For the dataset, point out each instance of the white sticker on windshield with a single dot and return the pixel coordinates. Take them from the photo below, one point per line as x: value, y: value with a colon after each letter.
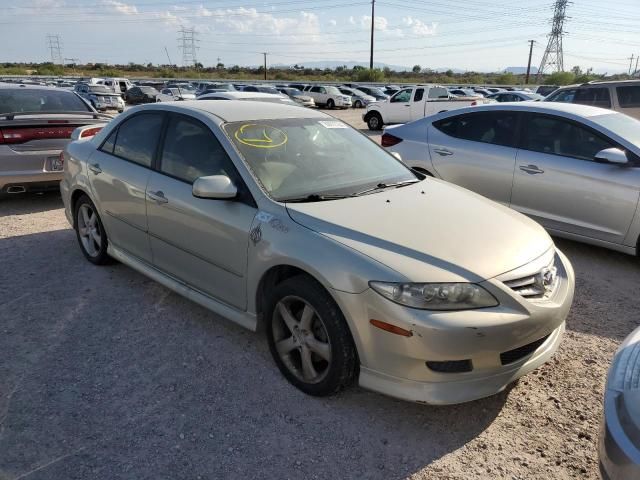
x: 332, y: 124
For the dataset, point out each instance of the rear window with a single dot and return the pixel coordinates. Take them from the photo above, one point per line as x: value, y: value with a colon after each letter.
x: 629, y: 97
x: 32, y: 100
x: 596, y: 97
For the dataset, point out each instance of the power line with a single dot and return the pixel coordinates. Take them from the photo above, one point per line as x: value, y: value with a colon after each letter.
x: 553, y: 55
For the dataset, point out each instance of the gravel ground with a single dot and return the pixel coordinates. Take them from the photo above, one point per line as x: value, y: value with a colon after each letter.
x: 105, y: 374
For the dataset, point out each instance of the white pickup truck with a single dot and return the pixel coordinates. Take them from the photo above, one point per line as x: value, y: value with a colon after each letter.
x: 412, y: 103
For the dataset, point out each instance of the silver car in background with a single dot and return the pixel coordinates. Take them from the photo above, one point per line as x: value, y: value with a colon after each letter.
x: 573, y: 168
x: 619, y: 444
x: 35, y: 124
x: 356, y: 267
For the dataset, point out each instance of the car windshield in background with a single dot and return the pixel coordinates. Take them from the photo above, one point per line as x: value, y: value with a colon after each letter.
x: 99, y: 89
x: 333, y: 90
x: 622, y: 125
x: 296, y: 158
x: 148, y: 90
x: 269, y: 90
x: 359, y: 93
x: 293, y: 91
x: 534, y: 96
x: 34, y: 100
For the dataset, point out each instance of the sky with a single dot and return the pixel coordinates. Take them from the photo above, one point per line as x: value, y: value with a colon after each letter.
x: 476, y: 35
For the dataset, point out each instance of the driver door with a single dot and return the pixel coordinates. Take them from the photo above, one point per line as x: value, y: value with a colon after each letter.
x: 399, y: 108
x: 558, y: 183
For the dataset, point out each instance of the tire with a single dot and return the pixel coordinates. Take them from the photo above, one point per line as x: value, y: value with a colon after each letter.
x: 93, y: 249
x: 331, y: 104
x: 358, y: 104
x: 374, y: 121
x: 322, y: 338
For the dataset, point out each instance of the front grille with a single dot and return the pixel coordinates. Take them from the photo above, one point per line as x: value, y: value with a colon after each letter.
x: 539, y: 285
x: 521, y: 352
x: 451, y: 366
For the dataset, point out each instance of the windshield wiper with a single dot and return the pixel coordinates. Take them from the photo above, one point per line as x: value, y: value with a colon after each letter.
x: 315, y: 197
x: 383, y: 186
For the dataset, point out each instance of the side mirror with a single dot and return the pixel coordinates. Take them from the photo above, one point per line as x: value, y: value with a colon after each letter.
x: 218, y: 187
x: 612, y: 155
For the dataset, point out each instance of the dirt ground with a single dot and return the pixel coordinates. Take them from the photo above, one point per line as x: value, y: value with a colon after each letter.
x: 105, y: 374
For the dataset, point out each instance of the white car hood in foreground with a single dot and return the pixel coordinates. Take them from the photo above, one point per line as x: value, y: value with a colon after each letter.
x: 445, y: 234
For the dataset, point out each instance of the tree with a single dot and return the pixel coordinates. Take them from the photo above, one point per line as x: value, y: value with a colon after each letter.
x: 416, y: 69
x: 198, y: 65
x: 220, y: 66
x: 561, y: 78
x: 449, y: 73
x: 366, y: 75
x: 506, y: 78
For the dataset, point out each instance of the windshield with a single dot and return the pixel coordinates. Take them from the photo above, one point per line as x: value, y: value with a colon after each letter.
x: 28, y: 100
x: 269, y: 90
x: 622, y: 125
x: 293, y: 91
x: 333, y: 90
x: 99, y: 89
x: 533, y: 96
x: 148, y: 90
x: 302, y: 156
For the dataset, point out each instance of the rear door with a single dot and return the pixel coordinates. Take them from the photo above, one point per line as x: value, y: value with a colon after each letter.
x: 628, y: 99
x: 119, y: 172
x: 558, y: 183
x: 202, y: 242
x: 417, y: 104
x: 476, y: 151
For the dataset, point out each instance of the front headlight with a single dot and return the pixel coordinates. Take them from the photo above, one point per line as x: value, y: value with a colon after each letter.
x: 436, y: 296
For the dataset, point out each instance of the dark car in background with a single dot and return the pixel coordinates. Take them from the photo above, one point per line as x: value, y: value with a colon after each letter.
x: 140, y: 94
x: 375, y: 92
x: 36, y: 123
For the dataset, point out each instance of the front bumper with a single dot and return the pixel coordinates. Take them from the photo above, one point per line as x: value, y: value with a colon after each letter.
x: 498, y: 344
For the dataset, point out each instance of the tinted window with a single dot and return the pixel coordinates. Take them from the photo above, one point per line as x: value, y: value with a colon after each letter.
x: 250, y: 89
x: 497, y: 128
x: 565, y: 96
x: 138, y: 137
x: 597, y: 97
x: 191, y: 151
x: 438, y: 92
x: 629, y: 97
x: 315, y: 89
x: 402, y: 96
x: 34, y: 100
x: 109, y: 143
x: 560, y: 137
x: 419, y: 95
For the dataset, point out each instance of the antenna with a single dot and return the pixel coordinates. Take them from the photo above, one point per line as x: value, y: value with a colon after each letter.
x: 553, y: 57
x: 187, y: 43
x: 53, y: 43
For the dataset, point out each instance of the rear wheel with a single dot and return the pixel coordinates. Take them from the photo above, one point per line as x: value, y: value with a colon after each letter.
x: 309, y: 338
x: 374, y: 121
x: 90, y: 232
x: 358, y: 104
x: 330, y: 104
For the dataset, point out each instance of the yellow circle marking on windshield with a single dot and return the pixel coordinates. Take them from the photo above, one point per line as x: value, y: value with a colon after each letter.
x: 261, y: 136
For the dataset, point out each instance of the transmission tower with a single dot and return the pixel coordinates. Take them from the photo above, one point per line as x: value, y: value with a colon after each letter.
x: 53, y: 43
x: 188, y: 44
x: 553, y: 57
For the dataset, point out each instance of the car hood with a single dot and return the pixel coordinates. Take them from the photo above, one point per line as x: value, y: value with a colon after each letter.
x: 431, y: 231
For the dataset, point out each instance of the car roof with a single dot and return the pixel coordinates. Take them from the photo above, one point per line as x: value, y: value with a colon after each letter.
x: 574, y: 109
x: 240, y: 95
x: 26, y: 86
x: 246, y: 110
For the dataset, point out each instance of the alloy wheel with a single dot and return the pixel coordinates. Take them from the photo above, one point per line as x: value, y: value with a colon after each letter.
x: 301, y: 339
x: 89, y: 230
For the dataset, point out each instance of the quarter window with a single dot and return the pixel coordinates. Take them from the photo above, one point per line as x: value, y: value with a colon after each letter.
x: 191, y: 151
x: 557, y: 136
x: 497, y: 128
x: 564, y: 96
x: 629, y: 97
x: 596, y: 97
x: 110, y: 142
x: 419, y: 95
x: 138, y: 137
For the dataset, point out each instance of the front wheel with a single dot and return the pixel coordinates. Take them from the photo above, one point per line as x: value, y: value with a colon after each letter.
x: 358, y: 104
x: 374, y: 122
x: 309, y: 338
x: 330, y: 104
x: 90, y: 232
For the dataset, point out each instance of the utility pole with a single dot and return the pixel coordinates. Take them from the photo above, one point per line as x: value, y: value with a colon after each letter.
x: 53, y: 42
x: 636, y: 69
x: 265, y: 64
x: 553, y: 54
x: 631, y: 63
x: 373, y: 20
x: 531, y: 42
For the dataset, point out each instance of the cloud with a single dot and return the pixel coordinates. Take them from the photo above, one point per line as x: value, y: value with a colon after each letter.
x: 333, y: 22
x: 352, y: 20
x: 420, y: 28
x: 120, y: 7
x: 381, y: 25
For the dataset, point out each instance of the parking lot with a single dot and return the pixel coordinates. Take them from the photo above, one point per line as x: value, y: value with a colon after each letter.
x: 106, y: 374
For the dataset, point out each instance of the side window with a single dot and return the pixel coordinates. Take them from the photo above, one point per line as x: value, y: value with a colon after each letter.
x: 403, y: 96
x: 565, y: 96
x: 497, y: 128
x: 138, y: 138
x: 558, y: 136
x: 597, y: 97
x: 191, y: 151
x: 438, y: 92
x: 315, y: 89
x: 418, y: 95
x: 109, y: 143
x: 629, y: 97
x: 322, y: 90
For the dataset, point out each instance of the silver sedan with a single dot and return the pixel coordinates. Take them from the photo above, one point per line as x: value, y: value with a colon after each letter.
x: 357, y: 268
x: 573, y: 168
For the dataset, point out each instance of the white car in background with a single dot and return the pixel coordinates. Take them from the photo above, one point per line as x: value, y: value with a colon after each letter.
x: 328, y: 96
x: 173, y: 94
x: 250, y: 96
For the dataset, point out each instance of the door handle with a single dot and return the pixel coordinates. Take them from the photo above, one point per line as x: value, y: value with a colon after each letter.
x: 95, y: 168
x: 157, y: 197
x: 443, y: 151
x: 531, y: 169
